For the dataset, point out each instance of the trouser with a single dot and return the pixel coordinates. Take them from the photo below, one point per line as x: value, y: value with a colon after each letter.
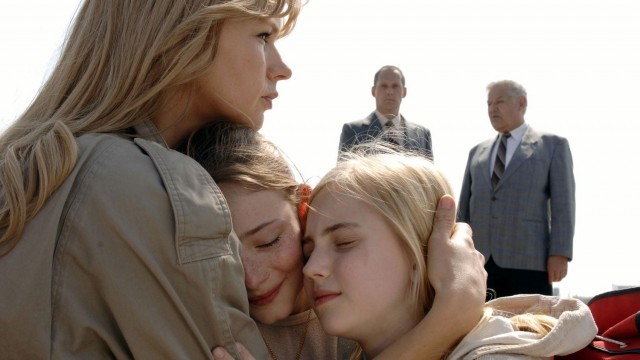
x: 506, y: 282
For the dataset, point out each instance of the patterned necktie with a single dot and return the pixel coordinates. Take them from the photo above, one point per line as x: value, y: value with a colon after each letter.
x: 501, y: 160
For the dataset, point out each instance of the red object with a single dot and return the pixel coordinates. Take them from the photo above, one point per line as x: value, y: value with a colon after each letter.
x: 617, y: 315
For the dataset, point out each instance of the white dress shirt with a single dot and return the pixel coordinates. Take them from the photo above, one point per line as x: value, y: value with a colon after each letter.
x: 512, y: 144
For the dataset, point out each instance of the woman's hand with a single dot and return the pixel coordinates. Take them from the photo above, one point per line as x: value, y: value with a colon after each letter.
x: 219, y: 353
x: 456, y: 272
x: 456, y: 268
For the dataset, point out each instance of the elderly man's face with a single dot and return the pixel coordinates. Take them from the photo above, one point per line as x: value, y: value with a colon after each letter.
x: 506, y: 112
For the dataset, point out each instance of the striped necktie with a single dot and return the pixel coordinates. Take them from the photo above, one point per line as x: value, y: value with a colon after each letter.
x: 501, y: 160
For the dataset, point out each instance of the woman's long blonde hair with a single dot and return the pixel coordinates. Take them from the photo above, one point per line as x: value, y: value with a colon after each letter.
x: 118, y: 60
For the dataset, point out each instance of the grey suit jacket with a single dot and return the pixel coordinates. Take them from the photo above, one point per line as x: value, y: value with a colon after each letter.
x: 418, y: 138
x: 530, y: 215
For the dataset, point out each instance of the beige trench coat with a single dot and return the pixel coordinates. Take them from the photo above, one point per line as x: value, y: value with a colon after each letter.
x: 132, y: 257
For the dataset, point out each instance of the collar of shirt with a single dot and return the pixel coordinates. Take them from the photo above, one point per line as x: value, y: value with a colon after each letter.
x: 517, y: 134
x: 383, y: 119
x: 148, y: 130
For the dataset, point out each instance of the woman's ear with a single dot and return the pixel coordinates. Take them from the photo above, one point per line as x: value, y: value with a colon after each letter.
x: 304, y: 193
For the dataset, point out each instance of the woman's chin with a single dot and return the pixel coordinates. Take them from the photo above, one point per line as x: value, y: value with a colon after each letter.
x: 268, y: 317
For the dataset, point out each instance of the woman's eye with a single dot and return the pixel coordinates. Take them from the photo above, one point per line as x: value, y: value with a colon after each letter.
x: 269, y: 244
x: 265, y: 36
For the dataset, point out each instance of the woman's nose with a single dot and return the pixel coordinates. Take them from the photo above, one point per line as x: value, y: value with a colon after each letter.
x: 278, y: 70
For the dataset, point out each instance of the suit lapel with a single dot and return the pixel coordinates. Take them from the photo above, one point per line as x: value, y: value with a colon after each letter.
x: 484, y: 160
x: 411, y: 138
x: 373, y: 125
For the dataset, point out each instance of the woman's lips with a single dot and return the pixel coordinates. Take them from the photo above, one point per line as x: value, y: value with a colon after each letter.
x: 267, y: 298
x: 268, y: 102
x: 322, y: 297
x: 269, y: 99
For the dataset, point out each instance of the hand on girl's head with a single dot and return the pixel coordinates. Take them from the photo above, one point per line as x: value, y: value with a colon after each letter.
x: 452, y: 256
x: 456, y: 268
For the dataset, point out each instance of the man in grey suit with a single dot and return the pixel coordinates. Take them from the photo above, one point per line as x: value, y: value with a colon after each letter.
x: 386, y: 123
x: 518, y: 195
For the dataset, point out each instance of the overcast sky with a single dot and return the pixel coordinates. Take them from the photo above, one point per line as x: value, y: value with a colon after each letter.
x: 578, y: 61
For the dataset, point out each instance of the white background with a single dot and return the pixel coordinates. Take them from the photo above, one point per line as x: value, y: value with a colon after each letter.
x: 577, y: 59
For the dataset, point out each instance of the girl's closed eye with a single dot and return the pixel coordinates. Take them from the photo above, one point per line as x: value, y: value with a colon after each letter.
x: 270, y: 243
x: 344, y: 244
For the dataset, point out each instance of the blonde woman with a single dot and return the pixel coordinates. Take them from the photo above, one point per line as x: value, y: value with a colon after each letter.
x: 367, y: 271
x: 266, y: 202
x: 112, y: 245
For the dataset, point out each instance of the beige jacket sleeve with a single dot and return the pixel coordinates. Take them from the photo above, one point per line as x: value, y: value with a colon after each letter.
x: 495, y: 339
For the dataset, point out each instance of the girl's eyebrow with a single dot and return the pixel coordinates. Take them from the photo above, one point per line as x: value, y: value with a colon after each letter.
x: 335, y: 227
x: 338, y: 226
x: 256, y: 228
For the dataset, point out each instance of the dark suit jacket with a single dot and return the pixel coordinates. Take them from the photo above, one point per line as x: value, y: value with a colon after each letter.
x: 531, y: 212
x: 417, y: 138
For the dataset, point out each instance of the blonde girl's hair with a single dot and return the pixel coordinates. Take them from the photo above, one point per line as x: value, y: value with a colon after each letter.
x: 118, y: 60
x: 239, y: 154
x: 535, y: 323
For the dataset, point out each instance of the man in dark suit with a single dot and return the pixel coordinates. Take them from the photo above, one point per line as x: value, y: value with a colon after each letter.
x: 386, y: 123
x: 518, y: 195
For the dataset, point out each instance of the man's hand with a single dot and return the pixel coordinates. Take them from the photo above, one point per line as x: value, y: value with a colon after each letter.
x: 557, y: 268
